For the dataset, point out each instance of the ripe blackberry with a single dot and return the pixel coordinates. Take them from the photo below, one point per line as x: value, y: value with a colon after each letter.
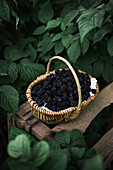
x: 39, y: 93
x: 33, y: 92
x: 71, y: 94
x: 40, y: 103
x: 84, y: 97
x: 64, y: 80
x: 53, y: 89
x: 70, y: 89
x: 81, y: 80
x: 58, y: 108
x: 57, y: 71
x: 58, y: 93
x: 53, y: 108
x: 69, y: 78
x: 64, y: 96
x: 69, y: 84
x: 74, y: 86
x: 81, y: 75
x: 63, y: 71
x: 73, y: 103
x: 93, y: 91
x: 59, y: 99
x: 71, y: 99
x: 63, y: 88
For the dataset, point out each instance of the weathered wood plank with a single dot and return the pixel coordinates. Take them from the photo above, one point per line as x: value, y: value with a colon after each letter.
x: 40, y: 130
x: 104, y: 99
x: 105, y: 146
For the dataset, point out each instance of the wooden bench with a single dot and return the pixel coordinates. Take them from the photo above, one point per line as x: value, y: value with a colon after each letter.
x: 26, y: 121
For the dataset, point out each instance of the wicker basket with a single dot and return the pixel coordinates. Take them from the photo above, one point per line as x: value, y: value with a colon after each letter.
x: 52, y: 117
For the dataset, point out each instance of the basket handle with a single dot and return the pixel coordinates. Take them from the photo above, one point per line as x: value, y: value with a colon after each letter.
x: 73, y: 72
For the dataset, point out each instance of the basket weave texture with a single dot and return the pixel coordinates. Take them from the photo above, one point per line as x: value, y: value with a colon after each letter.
x: 52, y: 117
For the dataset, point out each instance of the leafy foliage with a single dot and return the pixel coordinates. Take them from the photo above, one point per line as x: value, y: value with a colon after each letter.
x: 31, y: 32
x: 59, y: 154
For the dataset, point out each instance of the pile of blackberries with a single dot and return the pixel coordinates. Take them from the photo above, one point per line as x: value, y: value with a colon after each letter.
x: 59, y: 91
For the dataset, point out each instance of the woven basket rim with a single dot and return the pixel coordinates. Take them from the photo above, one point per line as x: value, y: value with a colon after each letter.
x: 35, y: 106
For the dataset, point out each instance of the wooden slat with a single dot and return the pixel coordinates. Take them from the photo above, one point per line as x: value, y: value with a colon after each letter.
x: 104, y: 99
x: 105, y: 146
x: 23, y: 109
x: 40, y: 130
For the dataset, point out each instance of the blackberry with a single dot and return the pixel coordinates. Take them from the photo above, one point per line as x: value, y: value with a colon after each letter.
x: 53, y: 89
x: 70, y: 89
x: 75, y: 92
x: 81, y: 80
x: 57, y: 71
x: 59, y: 99
x: 74, y: 86
x: 73, y: 103
x: 39, y: 93
x: 33, y: 92
x: 67, y: 103
x: 81, y: 75
x: 71, y: 94
x: 71, y: 99
x: 84, y: 97
x: 69, y: 84
x: 63, y: 88
x: 63, y: 70
x: 93, y: 91
x: 64, y: 75
x: 64, y: 96
x: 69, y: 78
x: 58, y: 108
x: 40, y: 103
x: 58, y: 93
x: 53, y: 108
x: 69, y: 72
x: 64, y: 80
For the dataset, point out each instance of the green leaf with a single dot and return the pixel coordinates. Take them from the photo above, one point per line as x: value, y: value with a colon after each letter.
x: 4, y: 10
x: 3, y: 74
x: 40, y: 153
x: 75, y: 135
x: 79, y: 143
x: 20, y: 148
x: 59, y: 64
x: 105, y: 29
x: 89, y: 153
x: 29, y: 71
x: 77, y: 153
x: 110, y: 46
x: 13, y: 53
x: 74, y: 51
x: 90, y: 57
x: 89, y: 20
x: 53, y: 145
x: 66, y: 39
x: 58, y: 47
x: 10, y: 68
x: 9, y: 98
x: 53, y: 24
x: 57, y: 36
x: 94, y: 163
x: 40, y: 30
x: 55, y: 161
x: 46, y: 13
x: 108, y: 72
x: 85, y: 45
x: 18, y: 164
x: 47, y: 45
x: 14, y: 132
x: 63, y: 138
x: 98, y: 68
x: 69, y: 17
x: 71, y: 29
